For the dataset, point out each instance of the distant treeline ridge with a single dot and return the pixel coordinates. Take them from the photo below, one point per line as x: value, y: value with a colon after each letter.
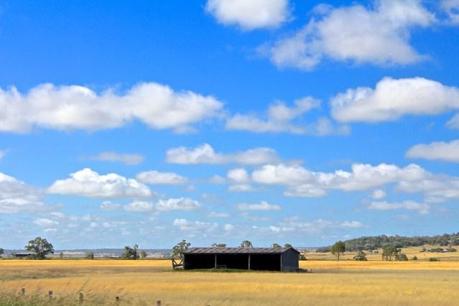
x: 376, y: 242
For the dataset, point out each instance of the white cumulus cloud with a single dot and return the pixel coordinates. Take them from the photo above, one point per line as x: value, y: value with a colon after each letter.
x: 379, y: 35
x: 139, y: 207
x: 445, y: 151
x: 183, y: 204
x: 18, y: 197
x: 302, y: 182
x: 239, y: 180
x: 205, y: 154
x: 89, y: 183
x: 161, y: 178
x: 80, y: 108
x: 249, y: 14
x: 262, y: 206
x: 392, y: 99
x: 281, y: 118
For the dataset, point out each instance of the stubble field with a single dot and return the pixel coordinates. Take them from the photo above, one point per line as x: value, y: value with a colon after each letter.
x: 144, y: 282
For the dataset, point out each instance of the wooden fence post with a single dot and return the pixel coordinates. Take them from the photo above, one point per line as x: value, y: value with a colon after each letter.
x: 22, y: 291
x: 117, y: 299
x: 81, y: 298
x: 50, y: 294
x: 158, y: 303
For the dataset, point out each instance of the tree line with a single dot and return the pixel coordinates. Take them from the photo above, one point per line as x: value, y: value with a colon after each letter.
x: 371, y: 243
x: 39, y: 248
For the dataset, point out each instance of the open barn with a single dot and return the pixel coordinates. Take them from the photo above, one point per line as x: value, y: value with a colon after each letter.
x: 262, y: 259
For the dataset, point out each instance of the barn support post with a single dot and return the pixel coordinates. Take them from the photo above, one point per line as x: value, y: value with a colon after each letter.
x: 215, y: 261
x: 281, y: 266
x: 248, y: 262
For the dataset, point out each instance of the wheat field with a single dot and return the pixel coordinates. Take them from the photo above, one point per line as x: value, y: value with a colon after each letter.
x: 144, y: 282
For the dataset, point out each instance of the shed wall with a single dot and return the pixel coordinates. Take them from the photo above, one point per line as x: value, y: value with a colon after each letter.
x: 290, y: 261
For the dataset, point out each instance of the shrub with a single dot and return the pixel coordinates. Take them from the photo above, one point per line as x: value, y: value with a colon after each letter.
x: 401, y: 257
x: 361, y: 256
x: 414, y: 258
x: 434, y: 259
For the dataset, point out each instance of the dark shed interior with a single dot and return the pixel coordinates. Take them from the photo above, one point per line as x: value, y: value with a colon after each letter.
x: 266, y: 259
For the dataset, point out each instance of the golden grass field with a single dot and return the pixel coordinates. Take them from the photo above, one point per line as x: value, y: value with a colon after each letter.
x: 143, y: 282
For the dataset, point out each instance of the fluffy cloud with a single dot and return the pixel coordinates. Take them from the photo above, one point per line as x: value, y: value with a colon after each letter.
x: 378, y: 35
x: 262, y: 206
x: 139, y: 206
x: 421, y: 208
x: 161, y: 178
x: 249, y: 14
x: 451, y: 7
x: 182, y: 204
x: 205, y: 154
x: 127, y: 159
x: 394, y: 98
x: 89, y: 183
x: 239, y: 180
x: 436, y: 188
x: 281, y: 118
x: 17, y: 197
x: 80, y: 108
x: 445, y: 151
x: 177, y: 204
x: 302, y: 182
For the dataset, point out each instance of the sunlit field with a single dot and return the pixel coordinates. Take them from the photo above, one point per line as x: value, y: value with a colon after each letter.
x: 143, y: 282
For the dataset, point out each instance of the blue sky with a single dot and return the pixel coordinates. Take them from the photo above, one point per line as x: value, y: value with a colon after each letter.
x: 218, y: 121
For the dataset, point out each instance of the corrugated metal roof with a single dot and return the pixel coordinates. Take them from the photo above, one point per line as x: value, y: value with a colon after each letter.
x: 217, y: 250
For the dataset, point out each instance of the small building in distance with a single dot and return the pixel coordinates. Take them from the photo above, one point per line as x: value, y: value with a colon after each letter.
x: 23, y: 254
x: 262, y: 259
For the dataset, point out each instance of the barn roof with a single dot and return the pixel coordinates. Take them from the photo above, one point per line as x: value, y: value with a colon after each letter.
x: 217, y: 250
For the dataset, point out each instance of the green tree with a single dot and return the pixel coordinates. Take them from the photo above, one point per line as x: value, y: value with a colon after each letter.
x: 288, y: 245
x: 276, y: 246
x: 338, y: 248
x: 143, y: 254
x: 390, y: 252
x: 2, y: 251
x: 39, y: 247
x: 179, y: 248
x: 219, y: 245
x: 246, y: 244
x: 131, y: 253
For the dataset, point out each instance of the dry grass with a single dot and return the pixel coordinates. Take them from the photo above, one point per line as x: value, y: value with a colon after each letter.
x: 143, y: 282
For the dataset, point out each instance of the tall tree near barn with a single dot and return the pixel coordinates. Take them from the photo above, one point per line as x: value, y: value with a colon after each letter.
x: 338, y: 248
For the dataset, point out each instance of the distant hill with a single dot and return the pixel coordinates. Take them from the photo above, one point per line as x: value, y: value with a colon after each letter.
x: 376, y: 242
